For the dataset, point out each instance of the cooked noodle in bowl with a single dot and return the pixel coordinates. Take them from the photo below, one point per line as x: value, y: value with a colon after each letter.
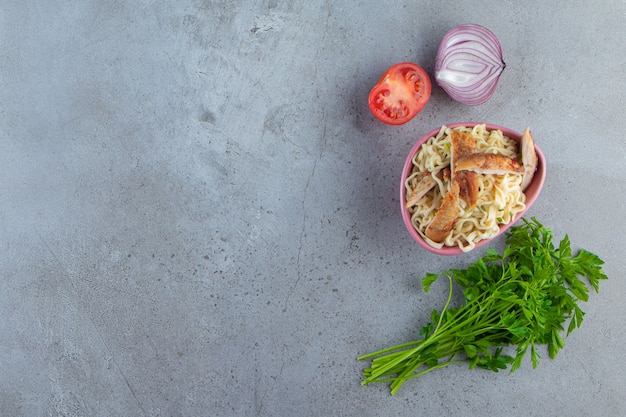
x: 465, y: 183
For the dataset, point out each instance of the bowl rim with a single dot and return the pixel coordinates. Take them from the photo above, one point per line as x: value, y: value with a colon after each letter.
x: 532, y: 191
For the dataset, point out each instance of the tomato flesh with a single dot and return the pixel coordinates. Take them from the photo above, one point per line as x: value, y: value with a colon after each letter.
x: 400, y: 94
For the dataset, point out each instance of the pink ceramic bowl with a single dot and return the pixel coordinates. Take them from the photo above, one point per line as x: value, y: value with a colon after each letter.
x: 532, y: 192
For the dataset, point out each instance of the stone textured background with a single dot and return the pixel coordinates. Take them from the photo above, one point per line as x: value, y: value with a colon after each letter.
x: 200, y: 217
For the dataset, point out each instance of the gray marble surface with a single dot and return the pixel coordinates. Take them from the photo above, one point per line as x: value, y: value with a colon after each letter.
x: 199, y: 216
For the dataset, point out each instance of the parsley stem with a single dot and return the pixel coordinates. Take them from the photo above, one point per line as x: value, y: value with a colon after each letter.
x: 445, y: 307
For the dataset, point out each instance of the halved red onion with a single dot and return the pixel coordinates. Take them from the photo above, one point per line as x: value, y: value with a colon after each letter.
x: 469, y: 63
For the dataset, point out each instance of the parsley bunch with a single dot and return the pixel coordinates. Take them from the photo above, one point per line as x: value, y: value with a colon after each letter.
x: 522, y: 298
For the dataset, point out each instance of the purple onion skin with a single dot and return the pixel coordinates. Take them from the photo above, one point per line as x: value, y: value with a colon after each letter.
x: 469, y: 63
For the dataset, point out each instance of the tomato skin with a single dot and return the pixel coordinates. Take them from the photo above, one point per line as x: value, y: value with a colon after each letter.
x: 400, y: 94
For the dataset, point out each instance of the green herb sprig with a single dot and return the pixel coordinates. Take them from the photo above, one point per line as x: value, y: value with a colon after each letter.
x: 522, y: 298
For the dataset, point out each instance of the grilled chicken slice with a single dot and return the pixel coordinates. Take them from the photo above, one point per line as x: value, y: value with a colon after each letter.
x: 446, y: 217
x: 425, y: 184
x: 529, y: 158
x: 468, y: 186
x: 488, y: 163
x: 463, y: 144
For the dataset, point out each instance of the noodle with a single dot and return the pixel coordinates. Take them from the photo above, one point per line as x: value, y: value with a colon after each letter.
x: 500, y: 197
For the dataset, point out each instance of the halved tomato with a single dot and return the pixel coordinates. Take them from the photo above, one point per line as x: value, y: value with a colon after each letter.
x: 400, y: 94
